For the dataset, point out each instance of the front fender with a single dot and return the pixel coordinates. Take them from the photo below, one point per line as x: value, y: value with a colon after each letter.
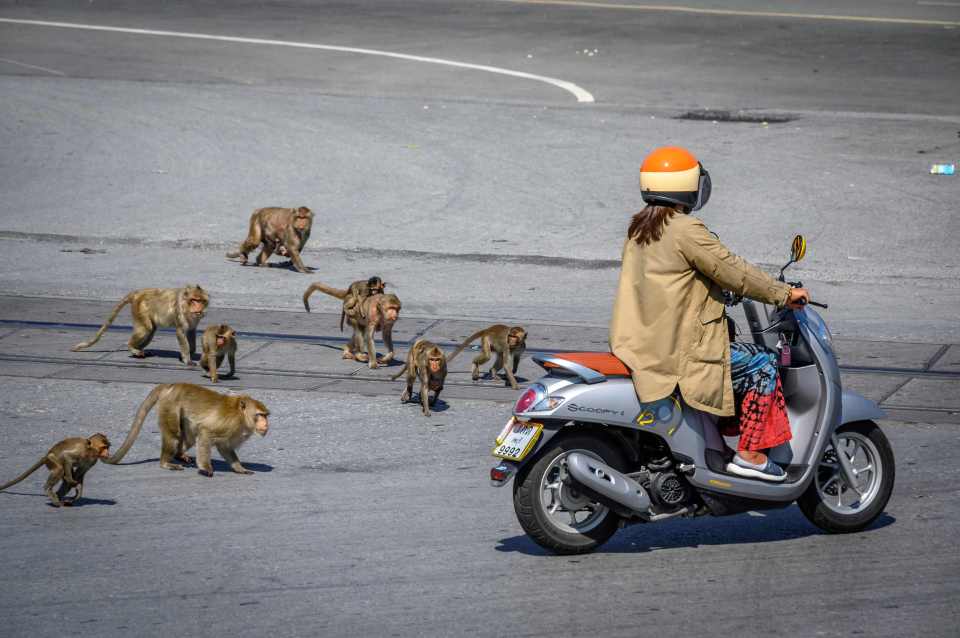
x: 857, y: 408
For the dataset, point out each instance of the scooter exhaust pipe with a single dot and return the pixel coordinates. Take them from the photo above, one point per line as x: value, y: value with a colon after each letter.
x: 608, y: 482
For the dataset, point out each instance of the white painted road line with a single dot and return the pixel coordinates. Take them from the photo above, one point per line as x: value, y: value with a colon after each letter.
x: 735, y: 12
x: 578, y: 92
x: 32, y: 66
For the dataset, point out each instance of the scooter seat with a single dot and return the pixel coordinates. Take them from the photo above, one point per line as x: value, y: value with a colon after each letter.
x: 603, y: 362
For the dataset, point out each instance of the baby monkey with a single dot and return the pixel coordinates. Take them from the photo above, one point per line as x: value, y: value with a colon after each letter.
x: 426, y: 362
x: 219, y: 342
x: 68, y: 462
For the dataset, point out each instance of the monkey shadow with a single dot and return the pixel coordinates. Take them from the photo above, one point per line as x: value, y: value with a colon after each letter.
x: 83, y: 502
x: 439, y: 405
x: 218, y: 465
x: 286, y: 265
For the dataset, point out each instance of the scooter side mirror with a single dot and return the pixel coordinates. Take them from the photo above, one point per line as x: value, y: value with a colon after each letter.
x: 798, y: 250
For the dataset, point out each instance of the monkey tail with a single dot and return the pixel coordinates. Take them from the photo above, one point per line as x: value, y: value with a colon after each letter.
x: 473, y: 337
x: 342, y: 316
x: 103, y: 328
x: 33, y: 468
x: 333, y: 292
x: 399, y: 374
x: 138, y: 420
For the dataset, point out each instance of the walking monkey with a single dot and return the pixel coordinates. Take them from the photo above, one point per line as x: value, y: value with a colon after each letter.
x: 68, y: 462
x: 281, y: 230
x: 373, y: 314
x: 508, y: 344
x: 217, y: 342
x: 152, y: 308
x: 356, y: 293
x: 191, y: 415
x: 426, y: 362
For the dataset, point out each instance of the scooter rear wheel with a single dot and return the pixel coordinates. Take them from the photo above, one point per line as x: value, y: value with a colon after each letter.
x: 830, y: 502
x: 551, y: 510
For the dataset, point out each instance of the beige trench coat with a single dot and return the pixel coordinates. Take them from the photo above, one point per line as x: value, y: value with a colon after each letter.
x: 668, y: 322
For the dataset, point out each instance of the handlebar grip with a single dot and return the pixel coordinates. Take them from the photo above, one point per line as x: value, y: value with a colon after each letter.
x: 814, y: 303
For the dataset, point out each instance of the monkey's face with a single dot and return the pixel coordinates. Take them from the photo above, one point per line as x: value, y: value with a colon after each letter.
x: 196, y: 300
x: 100, y: 444
x: 303, y: 219
x: 435, y: 363
x: 224, y: 335
x: 517, y: 338
x: 261, y: 426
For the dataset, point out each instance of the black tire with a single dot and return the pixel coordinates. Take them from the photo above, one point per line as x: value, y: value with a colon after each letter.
x: 528, y: 504
x: 828, y: 519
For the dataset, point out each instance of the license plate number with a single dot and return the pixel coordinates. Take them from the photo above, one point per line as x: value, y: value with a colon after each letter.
x: 517, y: 440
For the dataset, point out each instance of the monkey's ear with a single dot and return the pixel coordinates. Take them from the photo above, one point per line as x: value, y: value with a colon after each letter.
x: 243, y: 404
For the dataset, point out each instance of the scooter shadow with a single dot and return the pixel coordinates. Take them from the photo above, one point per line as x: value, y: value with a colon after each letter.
x: 777, y: 525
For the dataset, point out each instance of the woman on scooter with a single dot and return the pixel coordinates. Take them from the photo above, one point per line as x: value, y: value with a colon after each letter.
x: 669, y: 323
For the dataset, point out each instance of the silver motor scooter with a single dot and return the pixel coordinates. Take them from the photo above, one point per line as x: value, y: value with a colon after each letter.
x: 588, y: 457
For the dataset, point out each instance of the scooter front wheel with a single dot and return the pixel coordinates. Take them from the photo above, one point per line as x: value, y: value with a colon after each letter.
x: 831, y: 503
x: 552, y: 511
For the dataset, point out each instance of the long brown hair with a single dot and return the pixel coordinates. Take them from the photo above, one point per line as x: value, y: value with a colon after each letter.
x: 647, y: 225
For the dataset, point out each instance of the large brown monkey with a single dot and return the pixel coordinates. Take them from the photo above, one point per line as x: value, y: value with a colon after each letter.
x: 356, y: 293
x: 281, y: 230
x: 373, y: 314
x: 152, y: 308
x: 426, y: 362
x: 68, y: 462
x: 190, y: 414
x: 509, y: 343
x: 217, y: 342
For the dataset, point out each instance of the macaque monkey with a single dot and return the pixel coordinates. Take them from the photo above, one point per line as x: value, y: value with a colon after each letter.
x: 509, y: 343
x: 217, y: 342
x: 191, y: 415
x: 375, y: 313
x: 68, y: 462
x: 281, y: 230
x: 426, y: 362
x: 356, y: 293
x: 152, y: 308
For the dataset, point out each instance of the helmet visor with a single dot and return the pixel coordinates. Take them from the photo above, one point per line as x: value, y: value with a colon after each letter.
x: 703, y: 189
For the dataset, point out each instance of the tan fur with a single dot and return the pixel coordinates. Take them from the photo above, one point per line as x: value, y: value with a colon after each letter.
x: 152, y: 308
x: 426, y: 362
x: 281, y: 230
x: 218, y: 342
x: 68, y: 462
x: 508, y: 343
x: 191, y: 415
x: 351, y: 297
x: 375, y: 313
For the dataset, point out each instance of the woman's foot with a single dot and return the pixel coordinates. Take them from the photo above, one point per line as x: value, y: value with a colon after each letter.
x: 757, y: 466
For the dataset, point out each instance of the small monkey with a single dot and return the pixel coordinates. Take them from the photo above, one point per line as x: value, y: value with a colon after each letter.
x: 281, y: 230
x: 508, y: 343
x: 68, y: 462
x: 426, y: 362
x: 372, y: 314
x: 191, y: 415
x: 356, y: 293
x: 152, y: 308
x: 217, y: 342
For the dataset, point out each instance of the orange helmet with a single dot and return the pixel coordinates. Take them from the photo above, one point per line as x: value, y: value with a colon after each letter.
x: 672, y: 175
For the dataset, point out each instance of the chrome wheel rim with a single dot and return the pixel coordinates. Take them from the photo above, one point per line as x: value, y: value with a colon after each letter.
x: 563, y: 506
x: 834, y: 490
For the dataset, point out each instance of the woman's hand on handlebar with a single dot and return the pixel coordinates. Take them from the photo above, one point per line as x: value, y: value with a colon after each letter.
x: 799, y: 297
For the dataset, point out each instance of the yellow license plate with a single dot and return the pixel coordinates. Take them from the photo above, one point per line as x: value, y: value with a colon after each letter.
x: 517, y: 439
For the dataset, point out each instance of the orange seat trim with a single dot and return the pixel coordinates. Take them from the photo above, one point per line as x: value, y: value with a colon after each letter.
x: 603, y: 362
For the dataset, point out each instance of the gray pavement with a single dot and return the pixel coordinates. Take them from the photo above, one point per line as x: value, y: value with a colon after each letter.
x: 133, y: 160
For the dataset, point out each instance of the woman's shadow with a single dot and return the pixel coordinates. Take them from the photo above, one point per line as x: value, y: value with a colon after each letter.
x: 776, y: 525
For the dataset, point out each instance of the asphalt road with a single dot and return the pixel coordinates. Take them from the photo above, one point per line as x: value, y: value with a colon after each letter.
x: 132, y: 159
